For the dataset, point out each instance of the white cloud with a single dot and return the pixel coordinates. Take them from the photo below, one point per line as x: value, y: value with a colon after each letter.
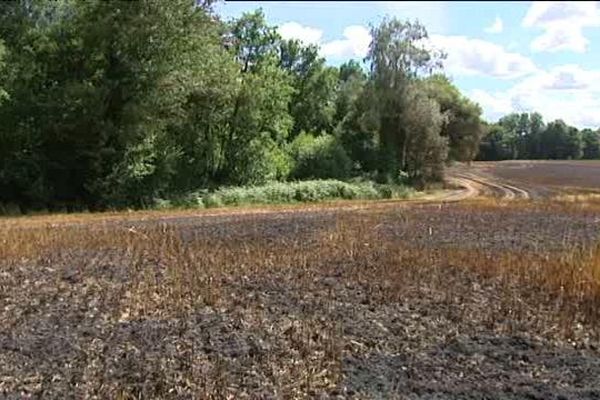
x: 305, y: 34
x: 563, y: 23
x: 432, y: 14
x: 496, y: 27
x: 560, y: 38
x: 567, y: 92
x: 469, y: 56
x: 466, y: 56
x: 355, y: 44
x: 543, y: 13
x: 494, y: 105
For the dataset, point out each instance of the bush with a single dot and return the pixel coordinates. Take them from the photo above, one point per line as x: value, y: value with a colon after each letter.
x: 261, y: 161
x: 162, y: 204
x: 292, y: 192
x: 10, y: 209
x: 212, y: 200
x: 321, y: 157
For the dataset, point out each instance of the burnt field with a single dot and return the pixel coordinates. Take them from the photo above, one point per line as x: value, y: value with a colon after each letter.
x: 542, y: 178
x: 487, y: 297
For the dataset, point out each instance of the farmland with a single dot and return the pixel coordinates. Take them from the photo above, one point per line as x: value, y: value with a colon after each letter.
x: 489, y: 289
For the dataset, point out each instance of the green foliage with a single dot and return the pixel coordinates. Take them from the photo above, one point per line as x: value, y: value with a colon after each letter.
x: 400, y: 114
x: 261, y: 161
x: 525, y: 136
x: 312, y: 106
x: 492, y: 146
x: 259, y: 122
x: 358, y: 129
x: 351, y: 82
x: 591, y: 144
x: 561, y: 141
x: 97, y: 94
x: 254, y: 41
x: 463, y: 127
x: 3, y: 94
x: 426, y: 149
x: 118, y: 104
x: 319, y: 157
x: 293, y: 192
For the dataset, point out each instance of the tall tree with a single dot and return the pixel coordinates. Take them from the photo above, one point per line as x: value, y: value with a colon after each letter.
x: 397, y: 57
x: 493, y: 146
x: 312, y: 105
x: 351, y: 81
x: 97, y: 93
x: 464, y: 127
x: 559, y: 141
x: 591, y: 144
x: 260, y: 117
x: 253, y: 40
x: 424, y: 121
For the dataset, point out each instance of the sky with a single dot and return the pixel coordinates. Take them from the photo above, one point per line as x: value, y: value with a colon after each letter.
x: 506, y: 56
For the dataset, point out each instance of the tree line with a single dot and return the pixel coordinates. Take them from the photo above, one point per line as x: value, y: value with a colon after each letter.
x: 526, y: 136
x: 115, y: 104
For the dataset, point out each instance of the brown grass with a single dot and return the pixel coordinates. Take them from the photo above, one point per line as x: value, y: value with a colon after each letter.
x: 165, y: 276
x: 169, y: 273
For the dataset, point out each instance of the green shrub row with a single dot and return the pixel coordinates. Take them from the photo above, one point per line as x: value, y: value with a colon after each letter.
x: 289, y: 192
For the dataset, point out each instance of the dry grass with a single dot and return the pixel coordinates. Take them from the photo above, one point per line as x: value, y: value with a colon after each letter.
x: 192, y: 271
x: 283, y: 298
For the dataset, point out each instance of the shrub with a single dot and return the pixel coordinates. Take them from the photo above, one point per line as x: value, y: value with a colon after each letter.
x: 262, y: 161
x: 321, y: 157
x: 302, y: 191
x: 212, y: 200
x: 10, y: 209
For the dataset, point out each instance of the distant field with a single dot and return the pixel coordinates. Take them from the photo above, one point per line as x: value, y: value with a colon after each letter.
x: 528, y: 179
x: 448, y: 296
x: 567, y: 174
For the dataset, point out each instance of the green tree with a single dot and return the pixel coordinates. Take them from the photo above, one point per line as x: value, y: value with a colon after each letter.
x: 312, y: 105
x: 253, y: 40
x: 423, y: 121
x: 574, y: 144
x: 319, y: 157
x: 26, y: 29
x: 513, y: 134
x: 358, y: 131
x: 351, y: 82
x: 97, y: 93
x: 260, y: 115
x: 397, y: 59
x: 534, y: 133
x: 464, y: 128
x: 560, y: 141
x: 591, y: 144
x: 493, y: 146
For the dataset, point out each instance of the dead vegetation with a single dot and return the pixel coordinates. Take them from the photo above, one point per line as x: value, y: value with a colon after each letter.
x: 365, y: 304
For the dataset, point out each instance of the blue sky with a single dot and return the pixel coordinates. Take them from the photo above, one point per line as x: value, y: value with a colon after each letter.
x: 507, y: 56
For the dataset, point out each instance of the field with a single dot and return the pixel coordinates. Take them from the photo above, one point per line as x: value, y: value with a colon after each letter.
x: 488, y: 290
x: 538, y: 179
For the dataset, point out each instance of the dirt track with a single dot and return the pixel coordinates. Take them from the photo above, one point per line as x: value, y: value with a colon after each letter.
x: 526, y: 179
x: 479, y: 182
